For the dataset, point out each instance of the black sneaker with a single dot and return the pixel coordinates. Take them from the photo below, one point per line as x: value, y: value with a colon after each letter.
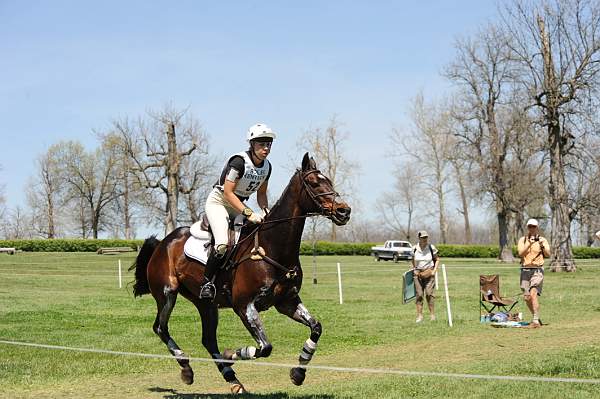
x: 208, y: 291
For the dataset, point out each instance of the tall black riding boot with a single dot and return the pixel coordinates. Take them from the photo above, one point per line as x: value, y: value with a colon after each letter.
x: 213, y: 264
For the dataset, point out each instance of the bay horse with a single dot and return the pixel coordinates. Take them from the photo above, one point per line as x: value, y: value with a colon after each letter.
x: 266, y: 272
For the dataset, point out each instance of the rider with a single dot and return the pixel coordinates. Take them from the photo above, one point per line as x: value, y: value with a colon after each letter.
x: 244, y: 173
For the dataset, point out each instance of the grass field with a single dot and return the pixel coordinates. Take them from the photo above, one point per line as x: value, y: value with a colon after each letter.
x: 73, y: 299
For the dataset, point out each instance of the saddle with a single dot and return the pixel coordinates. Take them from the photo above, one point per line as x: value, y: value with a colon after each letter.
x: 201, y: 240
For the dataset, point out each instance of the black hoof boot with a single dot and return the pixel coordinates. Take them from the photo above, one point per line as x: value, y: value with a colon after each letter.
x: 297, y: 375
x: 208, y: 291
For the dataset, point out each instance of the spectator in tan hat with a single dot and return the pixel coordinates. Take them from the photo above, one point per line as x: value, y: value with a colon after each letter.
x: 425, y: 262
x: 532, y: 249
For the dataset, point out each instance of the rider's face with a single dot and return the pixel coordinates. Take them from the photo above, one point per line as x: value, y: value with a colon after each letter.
x: 262, y: 149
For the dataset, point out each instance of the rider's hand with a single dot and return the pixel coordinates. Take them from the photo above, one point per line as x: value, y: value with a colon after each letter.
x: 255, y: 218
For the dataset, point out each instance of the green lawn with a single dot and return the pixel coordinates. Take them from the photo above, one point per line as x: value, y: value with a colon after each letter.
x: 73, y: 299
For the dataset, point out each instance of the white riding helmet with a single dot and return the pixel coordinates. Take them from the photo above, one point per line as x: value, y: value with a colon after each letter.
x: 260, y: 130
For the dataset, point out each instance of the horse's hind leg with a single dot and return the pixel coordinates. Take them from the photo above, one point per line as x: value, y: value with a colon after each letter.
x: 165, y: 304
x: 295, y: 310
x: 209, y: 314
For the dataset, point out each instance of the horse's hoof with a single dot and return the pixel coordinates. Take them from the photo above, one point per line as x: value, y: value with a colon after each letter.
x: 238, y: 388
x: 187, y: 376
x: 297, y: 375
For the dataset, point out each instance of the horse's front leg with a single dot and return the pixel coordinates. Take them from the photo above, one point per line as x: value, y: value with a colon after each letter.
x: 295, y: 309
x: 251, y: 319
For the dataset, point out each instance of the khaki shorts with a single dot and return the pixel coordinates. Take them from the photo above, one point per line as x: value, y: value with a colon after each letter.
x: 532, y: 278
x: 425, y: 286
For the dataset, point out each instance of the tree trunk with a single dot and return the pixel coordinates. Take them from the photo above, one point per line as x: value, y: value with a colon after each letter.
x: 126, y: 214
x: 465, y: 204
x: 409, y: 223
x: 442, y: 211
x: 95, y: 222
x: 50, y: 215
x: 505, y: 253
x: 172, y: 180
x: 560, y: 243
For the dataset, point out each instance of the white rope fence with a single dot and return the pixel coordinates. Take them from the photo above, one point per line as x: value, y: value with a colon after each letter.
x: 317, y: 367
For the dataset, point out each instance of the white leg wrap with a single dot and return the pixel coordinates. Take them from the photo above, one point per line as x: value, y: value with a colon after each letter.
x: 307, y: 351
x: 310, y: 344
x: 247, y: 353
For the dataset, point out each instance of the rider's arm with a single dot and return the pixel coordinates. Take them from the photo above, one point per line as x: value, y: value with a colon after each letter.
x: 261, y: 195
x: 228, y: 193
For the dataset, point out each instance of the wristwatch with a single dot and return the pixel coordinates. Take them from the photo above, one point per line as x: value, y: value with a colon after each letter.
x: 247, y: 212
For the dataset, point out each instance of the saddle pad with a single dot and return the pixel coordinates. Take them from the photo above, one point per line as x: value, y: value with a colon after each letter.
x: 197, y: 248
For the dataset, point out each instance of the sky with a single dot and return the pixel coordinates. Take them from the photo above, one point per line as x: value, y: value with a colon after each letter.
x: 68, y: 68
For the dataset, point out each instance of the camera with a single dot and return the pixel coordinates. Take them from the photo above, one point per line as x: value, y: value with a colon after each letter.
x: 536, y: 238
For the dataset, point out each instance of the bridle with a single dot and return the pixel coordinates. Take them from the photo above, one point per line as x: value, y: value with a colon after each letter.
x: 258, y: 253
x: 313, y: 196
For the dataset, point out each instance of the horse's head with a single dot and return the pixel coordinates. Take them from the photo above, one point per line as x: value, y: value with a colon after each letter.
x: 323, y: 199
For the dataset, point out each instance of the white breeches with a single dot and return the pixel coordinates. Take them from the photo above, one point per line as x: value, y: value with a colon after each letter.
x: 219, y: 212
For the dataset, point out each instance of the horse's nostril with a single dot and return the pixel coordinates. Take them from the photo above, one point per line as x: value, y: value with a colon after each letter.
x: 343, y: 211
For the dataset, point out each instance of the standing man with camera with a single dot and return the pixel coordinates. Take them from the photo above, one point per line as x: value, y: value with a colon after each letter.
x: 532, y: 249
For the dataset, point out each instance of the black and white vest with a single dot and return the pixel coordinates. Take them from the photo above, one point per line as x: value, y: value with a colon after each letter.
x: 252, y: 178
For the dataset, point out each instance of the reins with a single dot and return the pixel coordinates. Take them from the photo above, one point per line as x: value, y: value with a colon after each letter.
x: 258, y: 253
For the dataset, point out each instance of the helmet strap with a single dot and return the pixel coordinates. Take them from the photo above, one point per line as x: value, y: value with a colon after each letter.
x: 253, y: 153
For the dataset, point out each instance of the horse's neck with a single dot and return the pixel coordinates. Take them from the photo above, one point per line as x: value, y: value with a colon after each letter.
x: 283, y: 238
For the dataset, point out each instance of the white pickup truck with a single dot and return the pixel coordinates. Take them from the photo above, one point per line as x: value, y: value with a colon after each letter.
x: 393, y: 250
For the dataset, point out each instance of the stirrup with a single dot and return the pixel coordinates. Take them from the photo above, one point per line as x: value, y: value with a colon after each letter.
x: 208, y: 291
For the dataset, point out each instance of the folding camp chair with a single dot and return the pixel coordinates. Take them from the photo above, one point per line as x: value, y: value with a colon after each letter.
x: 490, y: 299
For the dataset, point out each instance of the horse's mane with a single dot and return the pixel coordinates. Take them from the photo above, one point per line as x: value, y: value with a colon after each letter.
x: 249, y: 228
x: 283, y: 195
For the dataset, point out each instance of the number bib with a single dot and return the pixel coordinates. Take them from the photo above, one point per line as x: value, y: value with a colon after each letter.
x: 253, y: 176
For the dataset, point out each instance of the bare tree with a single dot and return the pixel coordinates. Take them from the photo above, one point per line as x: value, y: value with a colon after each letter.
x: 198, y: 174
x: 158, y: 150
x: 327, y: 145
x: 91, y: 181
x: 489, y: 123
x: 462, y: 169
x: 398, y: 207
x: 44, y: 194
x: 557, y: 45
x: 583, y: 184
x: 126, y: 206
x: 17, y: 224
x: 2, y: 203
x: 428, y: 145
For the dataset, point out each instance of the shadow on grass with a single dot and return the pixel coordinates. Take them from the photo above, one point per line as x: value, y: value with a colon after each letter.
x: 173, y: 394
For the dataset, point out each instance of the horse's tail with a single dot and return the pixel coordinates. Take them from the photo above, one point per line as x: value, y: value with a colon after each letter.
x: 140, y: 265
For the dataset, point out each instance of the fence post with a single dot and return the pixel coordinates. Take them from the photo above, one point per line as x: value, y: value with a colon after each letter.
x: 339, y: 272
x: 120, y: 276
x: 447, y: 296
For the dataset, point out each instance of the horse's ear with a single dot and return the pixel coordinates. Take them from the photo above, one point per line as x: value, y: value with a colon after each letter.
x: 306, y: 162
x: 312, y: 163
